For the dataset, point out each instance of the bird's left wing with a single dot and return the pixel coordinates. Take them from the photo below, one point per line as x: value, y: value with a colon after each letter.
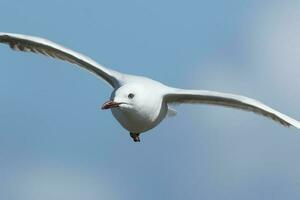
x: 40, y: 45
x: 228, y: 100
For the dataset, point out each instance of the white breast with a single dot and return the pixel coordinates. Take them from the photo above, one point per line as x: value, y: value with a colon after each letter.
x: 138, y: 121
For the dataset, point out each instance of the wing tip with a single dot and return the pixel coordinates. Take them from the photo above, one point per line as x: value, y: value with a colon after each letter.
x: 290, y: 123
x: 2, y: 33
x: 6, y: 37
x: 5, y: 34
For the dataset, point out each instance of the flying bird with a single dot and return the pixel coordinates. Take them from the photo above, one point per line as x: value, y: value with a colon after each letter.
x: 140, y: 103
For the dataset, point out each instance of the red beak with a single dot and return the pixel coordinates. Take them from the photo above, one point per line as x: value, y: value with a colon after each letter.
x: 110, y: 104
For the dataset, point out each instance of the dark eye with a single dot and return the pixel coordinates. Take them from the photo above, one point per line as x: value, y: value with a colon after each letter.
x: 130, y: 96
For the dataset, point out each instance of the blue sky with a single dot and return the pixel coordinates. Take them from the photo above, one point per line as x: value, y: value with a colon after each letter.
x: 56, y: 143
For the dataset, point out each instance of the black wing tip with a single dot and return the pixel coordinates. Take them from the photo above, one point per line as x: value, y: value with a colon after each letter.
x: 6, y: 39
x: 3, y: 38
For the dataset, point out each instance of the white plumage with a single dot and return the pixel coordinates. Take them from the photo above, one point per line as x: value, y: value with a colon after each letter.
x: 140, y: 103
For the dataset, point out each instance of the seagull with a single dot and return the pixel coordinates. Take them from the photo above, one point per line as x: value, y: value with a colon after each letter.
x: 140, y: 103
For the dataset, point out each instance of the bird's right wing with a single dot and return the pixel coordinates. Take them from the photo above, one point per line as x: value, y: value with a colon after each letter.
x: 228, y: 100
x: 39, y: 45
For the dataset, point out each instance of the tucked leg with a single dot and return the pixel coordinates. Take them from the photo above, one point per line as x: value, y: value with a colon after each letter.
x: 135, y: 137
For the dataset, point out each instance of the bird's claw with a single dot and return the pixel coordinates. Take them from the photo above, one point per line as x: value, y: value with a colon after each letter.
x: 135, y: 137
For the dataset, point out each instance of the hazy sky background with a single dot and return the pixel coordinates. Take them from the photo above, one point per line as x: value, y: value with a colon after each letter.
x: 56, y: 143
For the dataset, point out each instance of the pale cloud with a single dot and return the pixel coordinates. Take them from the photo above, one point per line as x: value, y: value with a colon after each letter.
x: 272, y: 37
x: 269, y: 72
x: 48, y: 181
x: 270, y: 69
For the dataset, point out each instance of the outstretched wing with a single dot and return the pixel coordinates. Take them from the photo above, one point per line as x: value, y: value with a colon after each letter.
x: 228, y: 100
x: 39, y: 45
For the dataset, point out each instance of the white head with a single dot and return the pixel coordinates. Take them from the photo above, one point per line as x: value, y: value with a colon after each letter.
x: 136, y: 106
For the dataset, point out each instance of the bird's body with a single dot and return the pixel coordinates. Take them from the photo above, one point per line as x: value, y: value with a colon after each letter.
x: 139, y: 103
x: 150, y: 109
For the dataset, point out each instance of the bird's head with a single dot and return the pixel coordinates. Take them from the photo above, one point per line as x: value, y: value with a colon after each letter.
x: 138, y: 106
x: 133, y: 97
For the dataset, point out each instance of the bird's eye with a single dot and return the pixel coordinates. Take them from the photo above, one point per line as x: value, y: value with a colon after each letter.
x: 130, y: 96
